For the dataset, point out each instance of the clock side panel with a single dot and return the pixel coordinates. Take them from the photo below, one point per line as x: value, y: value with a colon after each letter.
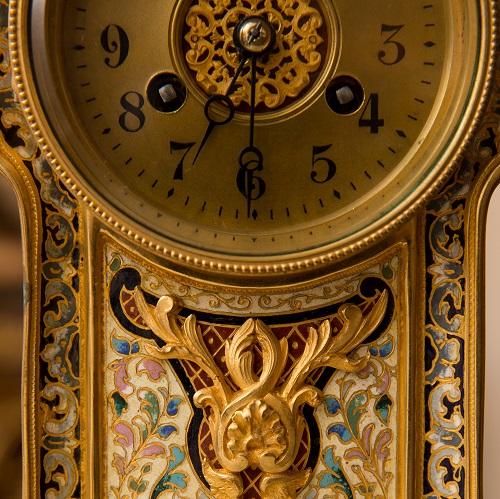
x: 455, y: 226
x: 53, y: 389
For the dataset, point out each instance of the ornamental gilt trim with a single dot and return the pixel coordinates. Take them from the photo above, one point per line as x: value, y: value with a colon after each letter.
x: 258, y: 425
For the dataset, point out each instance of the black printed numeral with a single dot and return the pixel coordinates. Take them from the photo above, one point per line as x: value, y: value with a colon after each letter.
x: 323, y: 168
x: 114, y: 40
x: 180, y: 146
x: 370, y: 117
x: 397, y: 52
x: 133, y: 118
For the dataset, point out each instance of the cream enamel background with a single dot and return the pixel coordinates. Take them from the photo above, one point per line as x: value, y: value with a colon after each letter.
x: 491, y: 453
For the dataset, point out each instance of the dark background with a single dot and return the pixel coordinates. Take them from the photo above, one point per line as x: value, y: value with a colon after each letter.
x: 11, y: 343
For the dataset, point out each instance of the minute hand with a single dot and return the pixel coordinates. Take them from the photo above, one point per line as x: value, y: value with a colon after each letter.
x: 252, y: 100
x: 222, y: 99
x: 251, y: 159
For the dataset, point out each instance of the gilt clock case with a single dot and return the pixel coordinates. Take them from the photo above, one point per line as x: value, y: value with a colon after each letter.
x: 154, y: 367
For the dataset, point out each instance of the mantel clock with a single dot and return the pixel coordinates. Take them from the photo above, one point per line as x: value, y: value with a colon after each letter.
x: 253, y: 236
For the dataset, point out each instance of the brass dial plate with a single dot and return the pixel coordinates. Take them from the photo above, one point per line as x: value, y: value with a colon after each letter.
x: 331, y: 181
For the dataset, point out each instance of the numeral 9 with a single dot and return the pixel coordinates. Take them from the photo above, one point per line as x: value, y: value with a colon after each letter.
x: 114, y: 40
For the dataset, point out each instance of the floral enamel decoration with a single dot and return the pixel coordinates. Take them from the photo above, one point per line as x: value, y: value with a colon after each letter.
x: 256, y: 425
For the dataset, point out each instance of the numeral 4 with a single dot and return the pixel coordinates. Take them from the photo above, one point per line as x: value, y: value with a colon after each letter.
x: 374, y: 122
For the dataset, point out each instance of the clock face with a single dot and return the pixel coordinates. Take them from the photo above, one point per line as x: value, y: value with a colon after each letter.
x: 257, y: 128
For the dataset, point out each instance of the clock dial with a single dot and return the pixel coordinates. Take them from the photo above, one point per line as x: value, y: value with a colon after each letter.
x: 178, y: 117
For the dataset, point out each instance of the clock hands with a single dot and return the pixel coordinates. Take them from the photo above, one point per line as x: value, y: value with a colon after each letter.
x: 253, y: 84
x: 251, y: 159
x: 256, y: 36
x: 227, y: 103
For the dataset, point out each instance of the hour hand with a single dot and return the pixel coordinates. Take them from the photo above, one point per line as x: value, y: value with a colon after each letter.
x: 209, y: 109
x: 214, y: 119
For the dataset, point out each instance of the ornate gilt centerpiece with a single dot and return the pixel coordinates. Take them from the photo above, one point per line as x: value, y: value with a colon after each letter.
x: 258, y: 425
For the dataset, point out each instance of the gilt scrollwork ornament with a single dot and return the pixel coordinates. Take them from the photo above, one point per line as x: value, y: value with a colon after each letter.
x: 290, y: 68
x: 255, y: 413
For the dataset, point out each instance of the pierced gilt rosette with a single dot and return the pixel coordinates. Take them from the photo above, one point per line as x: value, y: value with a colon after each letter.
x: 284, y: 74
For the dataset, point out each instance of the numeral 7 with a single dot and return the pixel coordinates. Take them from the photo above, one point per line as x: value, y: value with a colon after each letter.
x: 180, y: 146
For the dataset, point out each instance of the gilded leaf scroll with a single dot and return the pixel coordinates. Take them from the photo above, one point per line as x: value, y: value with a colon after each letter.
x: 258, y: 424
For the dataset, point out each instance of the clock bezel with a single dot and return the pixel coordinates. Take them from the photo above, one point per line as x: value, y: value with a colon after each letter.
x: 216, y: 262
